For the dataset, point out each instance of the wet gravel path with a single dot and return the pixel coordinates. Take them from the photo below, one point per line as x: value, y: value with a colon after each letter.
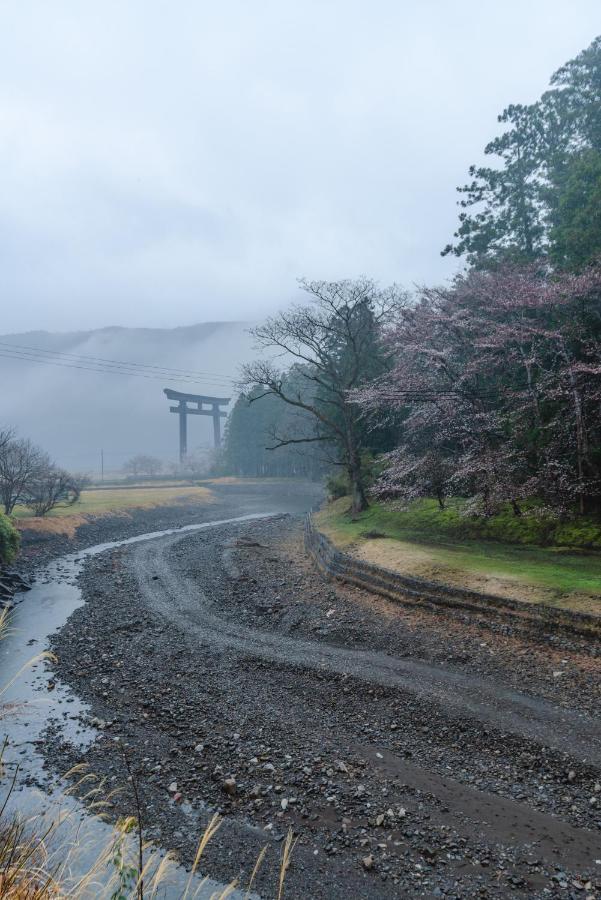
x: 415, y: 753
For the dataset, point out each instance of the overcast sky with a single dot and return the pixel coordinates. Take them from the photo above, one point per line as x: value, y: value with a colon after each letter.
x: 164, y: 162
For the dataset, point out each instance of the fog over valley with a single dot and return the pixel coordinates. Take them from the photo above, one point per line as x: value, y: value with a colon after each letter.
x: 74, y: 412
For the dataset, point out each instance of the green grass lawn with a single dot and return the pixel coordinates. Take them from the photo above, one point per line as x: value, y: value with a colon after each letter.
x: 416, y: 542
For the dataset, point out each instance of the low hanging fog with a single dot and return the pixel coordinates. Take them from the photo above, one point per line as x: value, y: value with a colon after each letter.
x: 74, y: 413
x: 168, y: 166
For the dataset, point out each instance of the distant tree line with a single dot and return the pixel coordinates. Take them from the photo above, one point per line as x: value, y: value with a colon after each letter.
x: 250, y: 439
x: 489, y: 388
x: 198, y: 464
x: 143, y: 464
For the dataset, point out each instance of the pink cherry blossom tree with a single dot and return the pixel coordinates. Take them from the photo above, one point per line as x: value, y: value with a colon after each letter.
x: 499, y: 378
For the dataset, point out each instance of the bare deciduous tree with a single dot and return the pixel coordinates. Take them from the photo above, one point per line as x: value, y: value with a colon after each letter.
x: 20, y: 463
x: 336, y: 344
x: 53, y: 487
x: 6, y: 435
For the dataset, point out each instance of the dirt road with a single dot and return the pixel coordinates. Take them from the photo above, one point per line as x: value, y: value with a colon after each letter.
x: 415, y: 753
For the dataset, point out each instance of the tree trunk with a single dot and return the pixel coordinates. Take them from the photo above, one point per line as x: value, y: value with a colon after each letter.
x: 359, y: 500
x: 581, y: 434
x: 486, y: 502
x: 353, y: 465
x: 358, y: 497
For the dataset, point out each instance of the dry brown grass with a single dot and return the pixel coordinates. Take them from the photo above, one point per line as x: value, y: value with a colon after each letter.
x: 32, y: 869
x: 39, y: 858
x: 66, y: 525
x: 111, y: 502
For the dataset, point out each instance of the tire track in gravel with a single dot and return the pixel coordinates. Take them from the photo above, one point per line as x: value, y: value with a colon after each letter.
x: 180, y: 601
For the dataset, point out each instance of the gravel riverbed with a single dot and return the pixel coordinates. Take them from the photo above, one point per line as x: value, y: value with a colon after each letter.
x: 413, y: 752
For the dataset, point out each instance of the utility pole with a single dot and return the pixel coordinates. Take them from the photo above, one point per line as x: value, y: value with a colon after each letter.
x: 102, y: 466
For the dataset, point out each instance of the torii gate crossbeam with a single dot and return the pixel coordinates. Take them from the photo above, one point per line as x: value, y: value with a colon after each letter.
x: 194, y: 405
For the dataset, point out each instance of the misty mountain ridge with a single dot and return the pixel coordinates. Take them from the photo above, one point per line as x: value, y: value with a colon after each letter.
x: 190, y: 332
x: 74, y: 412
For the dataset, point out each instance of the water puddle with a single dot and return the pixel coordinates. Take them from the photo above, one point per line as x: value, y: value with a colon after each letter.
x: 35, y: 700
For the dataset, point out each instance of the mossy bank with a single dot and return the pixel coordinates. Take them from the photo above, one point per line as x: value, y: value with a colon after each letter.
x: 529, y: 557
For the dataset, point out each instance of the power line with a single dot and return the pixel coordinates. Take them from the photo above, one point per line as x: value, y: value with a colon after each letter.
x: 111, y: 363
x: 66, y: 364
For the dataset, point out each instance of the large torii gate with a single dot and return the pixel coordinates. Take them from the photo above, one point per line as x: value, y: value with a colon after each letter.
x: 194, y: 405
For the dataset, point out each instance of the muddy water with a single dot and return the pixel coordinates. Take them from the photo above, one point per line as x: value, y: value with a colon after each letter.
x: 34, y: 700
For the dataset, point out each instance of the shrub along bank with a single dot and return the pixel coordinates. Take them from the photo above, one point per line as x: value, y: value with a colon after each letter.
x: 9, y: 540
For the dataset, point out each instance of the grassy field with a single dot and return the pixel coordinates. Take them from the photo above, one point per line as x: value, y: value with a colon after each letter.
x: 106, y: 500
x: 558, y: 576
x: 110, y: 501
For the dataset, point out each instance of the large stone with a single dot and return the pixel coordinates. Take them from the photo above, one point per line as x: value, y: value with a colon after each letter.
x: 229, y: 786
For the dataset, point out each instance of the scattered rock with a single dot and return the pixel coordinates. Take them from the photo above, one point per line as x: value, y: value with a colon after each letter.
x: 229, y: 786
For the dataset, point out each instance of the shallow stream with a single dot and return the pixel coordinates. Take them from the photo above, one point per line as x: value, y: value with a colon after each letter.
x: 34, y: 700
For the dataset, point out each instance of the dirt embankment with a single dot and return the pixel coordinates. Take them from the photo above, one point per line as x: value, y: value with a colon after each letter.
x: 415, y: 753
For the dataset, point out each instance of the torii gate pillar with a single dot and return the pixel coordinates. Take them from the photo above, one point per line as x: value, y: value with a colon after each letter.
x: 183, y: 430
x: 196, y: 405
x: 216, y: 426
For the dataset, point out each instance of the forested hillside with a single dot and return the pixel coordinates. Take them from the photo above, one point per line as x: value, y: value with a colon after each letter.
x: 488, y: 388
